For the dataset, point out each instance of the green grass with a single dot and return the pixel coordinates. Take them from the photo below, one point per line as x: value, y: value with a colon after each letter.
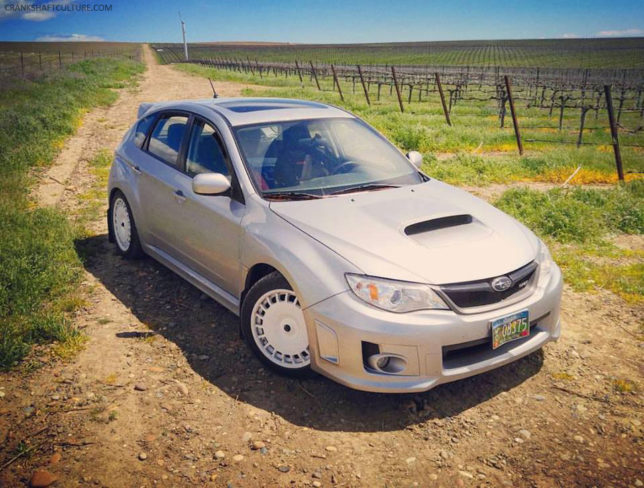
x: 578, y: 215
x: 578, y: 225
x: 566, y: 53
x: 39, y: 268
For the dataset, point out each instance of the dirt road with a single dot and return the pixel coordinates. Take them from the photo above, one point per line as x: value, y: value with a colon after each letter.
x: 166, y: 394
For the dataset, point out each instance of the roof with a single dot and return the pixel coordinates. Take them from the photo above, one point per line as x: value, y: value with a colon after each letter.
x: 244, y: 111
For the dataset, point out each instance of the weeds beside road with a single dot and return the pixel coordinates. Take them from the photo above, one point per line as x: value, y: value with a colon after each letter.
x: 39, y: 268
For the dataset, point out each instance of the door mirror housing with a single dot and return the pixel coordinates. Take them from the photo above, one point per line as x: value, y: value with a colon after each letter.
x: 210, y: 184
x: 416, y: 158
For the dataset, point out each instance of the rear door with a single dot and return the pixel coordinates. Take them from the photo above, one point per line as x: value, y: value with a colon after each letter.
x: 161, y: 176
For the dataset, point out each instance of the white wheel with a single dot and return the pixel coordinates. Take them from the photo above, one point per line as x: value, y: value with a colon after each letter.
x: 279, y: 330
x: 122, y: 224
x: 122, y: 227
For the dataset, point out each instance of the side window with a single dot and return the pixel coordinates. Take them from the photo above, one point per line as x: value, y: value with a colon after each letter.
x: 166, y: 138
x: 142, y: 129
x: 205, y: 154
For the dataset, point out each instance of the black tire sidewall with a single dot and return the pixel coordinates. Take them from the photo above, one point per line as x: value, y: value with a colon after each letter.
x: 272, y: 281
x: 134, y: 250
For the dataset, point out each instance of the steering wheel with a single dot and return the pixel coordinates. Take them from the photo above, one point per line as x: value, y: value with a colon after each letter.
x: 343, y: 167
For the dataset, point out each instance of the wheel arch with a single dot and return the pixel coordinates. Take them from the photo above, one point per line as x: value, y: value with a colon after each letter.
x: 255, y: 273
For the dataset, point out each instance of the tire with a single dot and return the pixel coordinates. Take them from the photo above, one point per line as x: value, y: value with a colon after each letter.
x: 282, y: 344
x: 122, y: 227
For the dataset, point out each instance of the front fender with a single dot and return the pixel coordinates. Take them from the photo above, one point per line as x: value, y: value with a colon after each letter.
x: 314, y: 271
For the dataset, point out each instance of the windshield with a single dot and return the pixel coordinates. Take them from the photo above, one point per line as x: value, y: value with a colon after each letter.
x: 321, y: 157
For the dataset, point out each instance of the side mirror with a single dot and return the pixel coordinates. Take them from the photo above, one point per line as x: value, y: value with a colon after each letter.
x: 416, y: 158
x: 210, y: 184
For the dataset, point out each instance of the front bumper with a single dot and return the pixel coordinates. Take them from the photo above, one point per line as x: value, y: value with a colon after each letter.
x: 339, y: 325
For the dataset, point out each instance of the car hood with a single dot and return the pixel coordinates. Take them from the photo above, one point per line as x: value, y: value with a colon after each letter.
x: 458, y: 237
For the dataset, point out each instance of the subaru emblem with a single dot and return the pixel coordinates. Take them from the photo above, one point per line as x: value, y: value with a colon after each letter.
x: 501, y: 283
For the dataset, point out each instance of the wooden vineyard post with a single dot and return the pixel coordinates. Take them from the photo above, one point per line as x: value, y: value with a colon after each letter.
x: 621, y: 105
x: 442, y: 95
x: 337, y: 82
x: 515, y: 121
x: 564, y: 100
x: 400, y: 102
x: 581, y: 125
x: 364, y: 87
x: 299, y: 73
x: 315, y: 76
x: 613, y: 132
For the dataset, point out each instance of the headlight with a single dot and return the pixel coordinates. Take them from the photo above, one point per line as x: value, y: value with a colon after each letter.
x: 544, y: 259
x: 395, y: 296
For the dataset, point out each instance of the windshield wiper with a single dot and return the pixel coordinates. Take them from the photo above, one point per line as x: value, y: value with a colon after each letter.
x: 291, y: 195
x: 366, y: 187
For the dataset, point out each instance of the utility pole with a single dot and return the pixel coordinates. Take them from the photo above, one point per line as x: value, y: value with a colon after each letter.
x: 183, y: 32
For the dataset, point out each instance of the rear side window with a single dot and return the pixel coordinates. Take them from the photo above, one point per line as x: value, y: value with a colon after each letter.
x: 165, y: 141
x: 205, y: 154
x: 142, y: 129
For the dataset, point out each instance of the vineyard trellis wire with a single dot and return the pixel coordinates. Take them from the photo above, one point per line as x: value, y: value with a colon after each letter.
x: 614, y: 91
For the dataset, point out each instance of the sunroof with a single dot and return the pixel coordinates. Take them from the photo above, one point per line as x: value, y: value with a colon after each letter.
x: 255, y: 106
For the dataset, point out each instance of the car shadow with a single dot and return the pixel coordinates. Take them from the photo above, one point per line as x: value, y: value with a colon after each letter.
x: 208, y: 336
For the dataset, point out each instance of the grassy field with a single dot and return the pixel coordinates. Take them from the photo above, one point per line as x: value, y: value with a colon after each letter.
x: 39, y: 267
x: 582, y: 225
x: 38, y: 57
x: 545, y: 53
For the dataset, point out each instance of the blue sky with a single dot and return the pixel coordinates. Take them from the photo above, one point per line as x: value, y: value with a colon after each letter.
x: 321, y: 21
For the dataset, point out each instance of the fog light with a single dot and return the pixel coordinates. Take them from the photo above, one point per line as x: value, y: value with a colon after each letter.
x: 387, y: 363
x: 382, y: 362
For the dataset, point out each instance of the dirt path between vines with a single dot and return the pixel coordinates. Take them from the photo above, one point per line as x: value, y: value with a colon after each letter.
x: 166, y: 394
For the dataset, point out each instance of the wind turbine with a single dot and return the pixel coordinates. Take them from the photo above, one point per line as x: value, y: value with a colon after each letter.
x: 183, y: 32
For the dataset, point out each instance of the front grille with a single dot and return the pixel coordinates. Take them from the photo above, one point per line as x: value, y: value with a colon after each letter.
x: 480, y: 293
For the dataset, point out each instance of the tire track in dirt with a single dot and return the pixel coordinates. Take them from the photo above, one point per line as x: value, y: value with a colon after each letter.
x: 104, y: 127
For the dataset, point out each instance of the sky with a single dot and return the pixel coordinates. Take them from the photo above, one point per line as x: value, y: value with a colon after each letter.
x: 317, y: 21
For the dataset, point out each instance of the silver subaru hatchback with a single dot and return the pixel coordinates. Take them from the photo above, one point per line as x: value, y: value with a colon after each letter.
x: 338, y: 254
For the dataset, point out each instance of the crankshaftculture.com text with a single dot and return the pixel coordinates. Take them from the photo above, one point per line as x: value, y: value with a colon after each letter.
x: 21, y: 7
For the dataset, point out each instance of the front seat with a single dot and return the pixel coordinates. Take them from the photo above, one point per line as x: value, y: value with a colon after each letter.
x: 288, y: 166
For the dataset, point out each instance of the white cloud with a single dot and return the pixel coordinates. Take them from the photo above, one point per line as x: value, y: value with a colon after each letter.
x: 621, y: 33
x: 569, y: 35
x: 69, y: 38
x: 38, y: 16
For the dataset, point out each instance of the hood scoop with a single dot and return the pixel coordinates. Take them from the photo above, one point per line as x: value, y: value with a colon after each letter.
x: 436, y: 224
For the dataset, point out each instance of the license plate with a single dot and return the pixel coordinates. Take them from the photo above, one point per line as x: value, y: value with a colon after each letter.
x: 510, y: 328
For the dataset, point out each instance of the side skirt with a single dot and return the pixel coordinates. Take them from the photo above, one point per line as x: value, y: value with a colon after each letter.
x: 208, y: 287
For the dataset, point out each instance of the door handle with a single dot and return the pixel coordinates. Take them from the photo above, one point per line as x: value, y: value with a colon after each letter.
x: 136, y: 169
x: 179, y: 196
